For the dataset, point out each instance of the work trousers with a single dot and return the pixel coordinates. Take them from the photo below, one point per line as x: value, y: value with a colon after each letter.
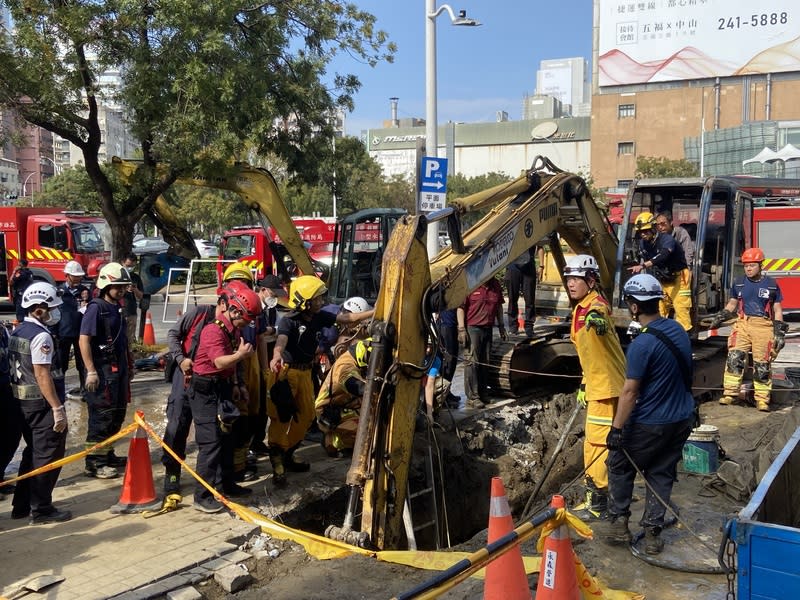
x: 449, y: 339
x: 288, y: 435
x: 106, y: 406
x: 65, y: 345
x: 754, y: 335
x: 204, y: 400
x: 599, y: 416
x: 678, y: 298
x: 179, y: 422
x: 518, y: 282
x: 656, y: 450
x: 476, y: 363
x: 43, y: 446
x: 258, y: 422
x: 11, y: 424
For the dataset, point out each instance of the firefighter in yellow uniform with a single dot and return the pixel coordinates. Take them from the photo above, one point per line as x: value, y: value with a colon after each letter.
x: 759, y: 329
x: 339, y: 398
x: 603, y: 364
x: 663, y: 257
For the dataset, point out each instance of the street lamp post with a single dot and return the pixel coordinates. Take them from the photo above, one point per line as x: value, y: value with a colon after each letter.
x: 25, y: 185
x: 431, y: 117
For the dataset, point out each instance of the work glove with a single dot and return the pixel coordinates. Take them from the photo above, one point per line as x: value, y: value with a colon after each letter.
x: 595, y: 320
x: 780, y: 329
x: 463, y: 337
x: 719, y: 318
x: 581, y: 395
x: 92, y: 381
x: 614, y: 439
x: 60, y: 418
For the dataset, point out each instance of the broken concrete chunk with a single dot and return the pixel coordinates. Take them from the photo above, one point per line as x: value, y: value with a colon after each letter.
x: 184, y: 593
x: 233, y: 578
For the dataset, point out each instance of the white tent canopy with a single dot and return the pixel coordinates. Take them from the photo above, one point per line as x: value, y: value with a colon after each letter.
x: 765, y: 156
x: 788, y: 152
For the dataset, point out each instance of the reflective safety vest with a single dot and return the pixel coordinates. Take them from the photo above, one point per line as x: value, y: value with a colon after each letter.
x: 23, y: 380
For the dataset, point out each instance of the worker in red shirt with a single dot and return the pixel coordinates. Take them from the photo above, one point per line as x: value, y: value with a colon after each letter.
x: 214, y: 386
x: 476, y: 318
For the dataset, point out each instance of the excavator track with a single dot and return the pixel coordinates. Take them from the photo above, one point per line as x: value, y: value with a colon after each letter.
x: 520, y: 365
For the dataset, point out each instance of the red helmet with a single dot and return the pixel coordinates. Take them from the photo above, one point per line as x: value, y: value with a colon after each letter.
x: 752, y: 255
x: 235, y: 285
x: 244, y: 300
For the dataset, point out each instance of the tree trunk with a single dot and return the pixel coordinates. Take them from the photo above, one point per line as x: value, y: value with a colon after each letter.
x: 123, y: 240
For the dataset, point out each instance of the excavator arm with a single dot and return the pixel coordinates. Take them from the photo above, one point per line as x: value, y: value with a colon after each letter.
x: 257, y: 189
x: 543, y: 202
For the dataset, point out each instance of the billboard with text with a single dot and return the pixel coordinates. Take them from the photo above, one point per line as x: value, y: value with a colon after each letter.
x: 669, y: 40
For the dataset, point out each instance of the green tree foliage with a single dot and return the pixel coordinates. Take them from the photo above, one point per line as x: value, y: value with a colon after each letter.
x: 71, y: 189
x: 657, y: 167
x: 358, y: 183
x: 202, y: 81
x: 208, y: 213
x: 460, y: 186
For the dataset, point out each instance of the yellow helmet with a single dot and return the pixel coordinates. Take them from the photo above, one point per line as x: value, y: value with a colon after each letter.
x: 238, y: 270
x: 644, y: 221
x: 361, y: 351
x: 303, y: 290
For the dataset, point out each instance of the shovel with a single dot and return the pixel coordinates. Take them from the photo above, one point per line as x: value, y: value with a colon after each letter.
x: 34, y: 584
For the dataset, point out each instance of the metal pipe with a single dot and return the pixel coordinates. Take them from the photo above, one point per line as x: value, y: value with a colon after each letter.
x: 716, y: 102
x: 768, y: 105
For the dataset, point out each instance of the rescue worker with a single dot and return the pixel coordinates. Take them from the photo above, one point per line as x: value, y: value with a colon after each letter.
x: 211, y: 393
x: 339, y: 398
x: 34, y: 361
x: 759, y: 329
x: 476, y: 317
x: 603, y: 364
x: 134, y: 295
x: 247, y: 397
x: 10, y: 414
x: 291, y: 407
x: 182, y: 342
x: 520, y: 278
x: 662, y: 256
x: 270, y: 290
x: 69, y: 328
x: 654, y: 417
x: 108, y: 362
x: 665, y: 225
x: 21, y: 278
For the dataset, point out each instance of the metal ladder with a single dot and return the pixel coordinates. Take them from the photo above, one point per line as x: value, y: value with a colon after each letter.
x: 429, y: 489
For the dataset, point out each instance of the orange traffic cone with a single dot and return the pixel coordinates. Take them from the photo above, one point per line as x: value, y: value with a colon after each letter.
x: 138, y: 491
x: 558, y: 579
x: 149, y: 338
x: 505, y: 576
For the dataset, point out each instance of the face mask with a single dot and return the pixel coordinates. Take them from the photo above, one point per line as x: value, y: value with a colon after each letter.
x: 54, y: 317
x: 271, y: 302
x: 129, y: 269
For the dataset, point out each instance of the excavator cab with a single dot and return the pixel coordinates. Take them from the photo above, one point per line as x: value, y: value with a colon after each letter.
x: 360, y: 240
x: 718, y: 217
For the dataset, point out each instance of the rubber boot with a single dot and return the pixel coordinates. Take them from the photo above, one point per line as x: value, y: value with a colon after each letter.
x: 295, y: 466
x: 598, y: 503
x: 653, y: 544
x: 614, y: 530
x: 172, y: 482
x: 278, y: 471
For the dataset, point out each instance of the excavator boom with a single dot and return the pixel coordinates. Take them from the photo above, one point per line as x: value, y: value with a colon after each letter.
x: 543, y: 202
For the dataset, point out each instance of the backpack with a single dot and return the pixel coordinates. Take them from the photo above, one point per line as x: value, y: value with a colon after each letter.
x: 204, y: 315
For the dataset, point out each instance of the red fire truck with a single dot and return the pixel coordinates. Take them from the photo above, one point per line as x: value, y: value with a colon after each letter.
x: 776, y: 221
x: 48, y: 238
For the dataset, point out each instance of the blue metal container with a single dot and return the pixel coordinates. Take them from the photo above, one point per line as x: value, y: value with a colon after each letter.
x: 767, y: 532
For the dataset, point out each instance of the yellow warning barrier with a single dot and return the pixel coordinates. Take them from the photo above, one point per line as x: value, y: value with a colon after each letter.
x: 323, y: 548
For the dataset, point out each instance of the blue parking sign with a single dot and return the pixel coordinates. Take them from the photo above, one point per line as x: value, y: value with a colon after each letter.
x: 432, y: 183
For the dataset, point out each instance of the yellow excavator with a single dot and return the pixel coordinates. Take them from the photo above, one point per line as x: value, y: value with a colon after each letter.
x: 542, y: 202
x: 257, y: 189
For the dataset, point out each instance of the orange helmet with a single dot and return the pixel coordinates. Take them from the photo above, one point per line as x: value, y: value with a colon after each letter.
x: 752, y: 255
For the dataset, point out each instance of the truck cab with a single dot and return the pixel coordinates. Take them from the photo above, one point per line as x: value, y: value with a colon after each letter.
x: 774, y: 233
x: 48, y: 238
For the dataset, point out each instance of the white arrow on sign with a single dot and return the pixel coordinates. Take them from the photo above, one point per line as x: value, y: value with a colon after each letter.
x: 433, y: 184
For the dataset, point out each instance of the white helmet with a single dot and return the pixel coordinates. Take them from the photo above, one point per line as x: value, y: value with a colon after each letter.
x: 581, y: 266
x: 73, y: 267
x: 356, y: 304
x: 41, y: 292
x: 643, y: 287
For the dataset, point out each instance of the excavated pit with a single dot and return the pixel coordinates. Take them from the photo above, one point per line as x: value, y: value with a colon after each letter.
x: 513, y: 439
